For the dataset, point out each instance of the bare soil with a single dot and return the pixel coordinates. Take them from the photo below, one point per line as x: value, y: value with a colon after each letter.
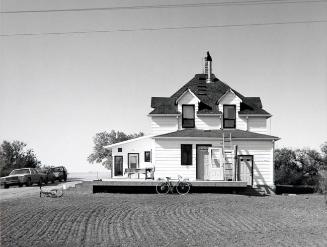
x: 163, y: 220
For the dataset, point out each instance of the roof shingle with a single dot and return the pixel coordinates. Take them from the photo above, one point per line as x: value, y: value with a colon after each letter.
x: 217, y: 133
x: 209, y: 94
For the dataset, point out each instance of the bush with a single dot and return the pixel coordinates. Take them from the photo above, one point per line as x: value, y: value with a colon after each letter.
x: 322, y: 185
x: 300, y: 167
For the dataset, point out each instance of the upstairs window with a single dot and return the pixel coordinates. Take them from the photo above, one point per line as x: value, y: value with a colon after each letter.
x: 188, y: 116
x: 229, y: 121
x: 186, y: 154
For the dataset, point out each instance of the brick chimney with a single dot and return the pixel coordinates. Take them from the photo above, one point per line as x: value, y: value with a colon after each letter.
x: 208, y: 67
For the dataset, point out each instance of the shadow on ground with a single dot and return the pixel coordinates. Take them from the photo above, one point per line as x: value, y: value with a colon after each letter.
x: 152, y: 190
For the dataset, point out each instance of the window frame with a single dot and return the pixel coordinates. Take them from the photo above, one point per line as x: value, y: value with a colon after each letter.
x: 183, y: 119
x: 234, y: 126
x: 138, y: 160
x: 145, y: 160
x: 191, y: 154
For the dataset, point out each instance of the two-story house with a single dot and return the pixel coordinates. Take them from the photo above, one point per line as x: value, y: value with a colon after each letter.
x: 205, y: 131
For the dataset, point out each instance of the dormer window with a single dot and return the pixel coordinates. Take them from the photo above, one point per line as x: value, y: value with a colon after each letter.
x: 229, y: 120
x: 188, y: 116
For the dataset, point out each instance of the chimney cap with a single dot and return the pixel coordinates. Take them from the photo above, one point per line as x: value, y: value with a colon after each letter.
x: 208, y: 57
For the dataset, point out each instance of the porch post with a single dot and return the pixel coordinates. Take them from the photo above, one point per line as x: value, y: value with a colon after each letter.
x: 235, y: 163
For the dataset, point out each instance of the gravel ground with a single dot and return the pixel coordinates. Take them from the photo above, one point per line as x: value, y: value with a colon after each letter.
x: 163, y: 220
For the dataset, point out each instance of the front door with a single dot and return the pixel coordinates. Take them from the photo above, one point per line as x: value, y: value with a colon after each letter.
x: 245, y: 170
x: 216, y: 164
x: 118, y: 165
x: 202, y: 160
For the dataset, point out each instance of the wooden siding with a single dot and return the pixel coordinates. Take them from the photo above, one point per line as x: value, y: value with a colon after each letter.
x: 263, y: 159
x: 208, y: 122
x: 257, y: 124
x: 161, y: 125
x: 188, y: 99
x: 168, y: 159
x: 138, y: 146
x: 232, y: 99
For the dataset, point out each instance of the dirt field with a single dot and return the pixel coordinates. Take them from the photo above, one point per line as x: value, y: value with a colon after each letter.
x: 164, y: 220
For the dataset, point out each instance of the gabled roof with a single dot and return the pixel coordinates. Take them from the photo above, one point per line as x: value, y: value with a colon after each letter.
x: 225, y: 94
x: 157, y: 101
x: 208, y: 94
x: 165, y: 109
x: 187, y: 91
x: 128, y: 141
x: 217, y: 134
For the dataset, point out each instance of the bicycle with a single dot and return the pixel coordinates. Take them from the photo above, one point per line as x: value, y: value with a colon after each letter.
x: 53, y: 193
x: 182, y: 186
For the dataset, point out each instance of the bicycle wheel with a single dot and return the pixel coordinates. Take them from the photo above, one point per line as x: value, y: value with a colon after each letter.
x: 162, y: 188
x: 183, y: 188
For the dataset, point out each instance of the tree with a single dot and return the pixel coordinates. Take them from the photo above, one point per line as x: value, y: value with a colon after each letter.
x: 299, y: 167
x: 323, y: 149
x: 102, y: 139
x: 14, y: 156
x: 286, y: 168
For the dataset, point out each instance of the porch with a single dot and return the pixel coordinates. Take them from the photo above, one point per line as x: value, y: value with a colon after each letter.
x: 148, y: 186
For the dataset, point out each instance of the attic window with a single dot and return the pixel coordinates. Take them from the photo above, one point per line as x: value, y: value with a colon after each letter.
x: 229, y: 121
x: 188, y: 116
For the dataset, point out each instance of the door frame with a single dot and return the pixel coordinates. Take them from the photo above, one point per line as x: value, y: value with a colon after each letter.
x: 238, y: 164
x: 196, y: 156
x: 115, y: 165
x: 222, y: 165
x: 138, y: 160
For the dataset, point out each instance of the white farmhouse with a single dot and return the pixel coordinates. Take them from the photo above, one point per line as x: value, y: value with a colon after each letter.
x: 206, y: 131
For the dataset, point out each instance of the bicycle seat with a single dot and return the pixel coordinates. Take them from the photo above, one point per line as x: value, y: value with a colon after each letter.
x: 168, y: 178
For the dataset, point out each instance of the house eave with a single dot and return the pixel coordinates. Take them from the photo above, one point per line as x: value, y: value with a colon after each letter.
x: 224, y: 95
x: 215, y: 138
x: 128, y: 141
x: 186, y: 91
x: 208, y: 114
x: 164, y: 115
x: 255, y: 115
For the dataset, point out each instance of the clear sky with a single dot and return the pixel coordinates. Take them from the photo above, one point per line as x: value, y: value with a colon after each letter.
x: 58, y: 91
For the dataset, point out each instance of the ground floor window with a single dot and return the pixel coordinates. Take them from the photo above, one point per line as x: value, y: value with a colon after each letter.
x: 147, y: 156
x: 118, y: 165
x: 133, y: 160
x: 186, y: 154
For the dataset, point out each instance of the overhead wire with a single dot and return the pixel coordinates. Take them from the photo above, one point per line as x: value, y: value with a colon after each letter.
x: 163, y: 6
x: 165, y: 28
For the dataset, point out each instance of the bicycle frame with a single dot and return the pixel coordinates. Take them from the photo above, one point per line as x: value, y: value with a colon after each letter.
x: 53, y: 193
x: 180, y: 185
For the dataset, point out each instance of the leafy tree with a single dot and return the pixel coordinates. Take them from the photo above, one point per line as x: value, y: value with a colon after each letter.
x: 102, y: 139
x: 299, y: 166
x: 14, y: 156
x: 323, y: 149
x: 286, y: 168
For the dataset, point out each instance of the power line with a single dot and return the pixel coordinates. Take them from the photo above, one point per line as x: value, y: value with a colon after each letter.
x: 165, y: 6
x: 164, y: 28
